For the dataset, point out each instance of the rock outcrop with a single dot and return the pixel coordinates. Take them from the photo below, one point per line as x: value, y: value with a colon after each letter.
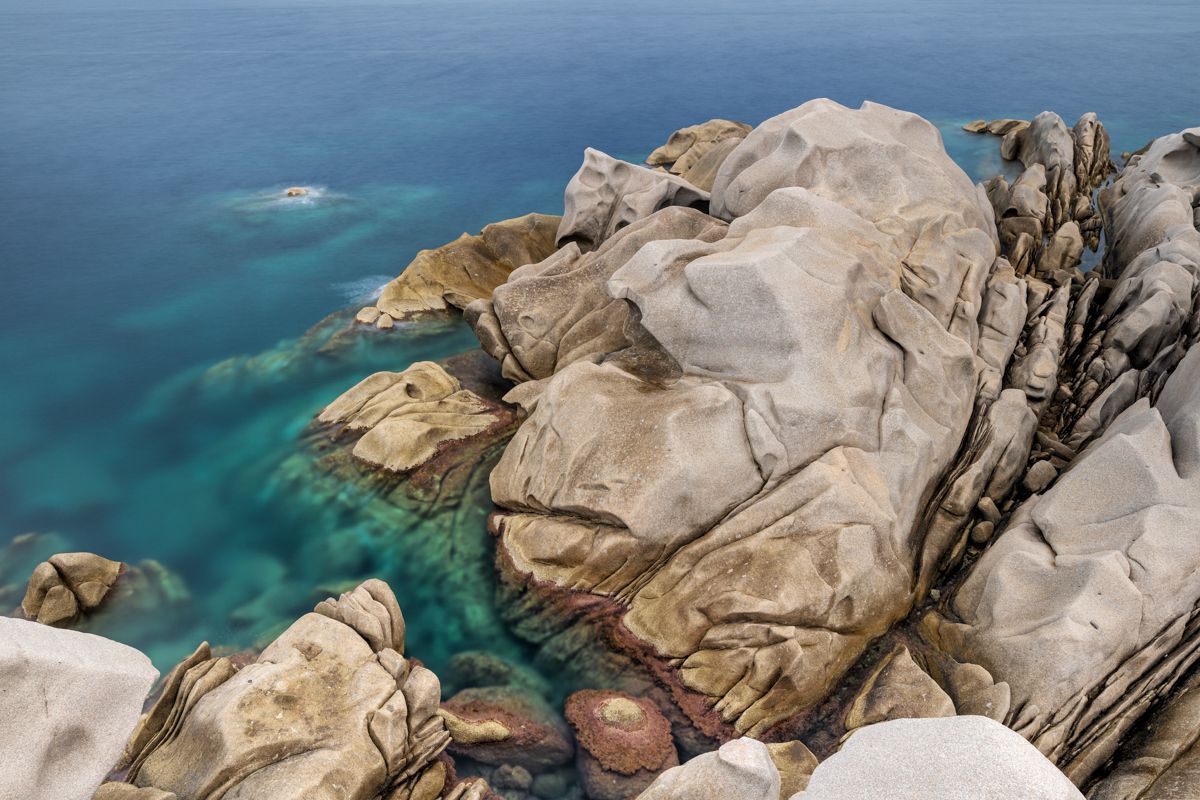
x: 67, y: 585
x: 331, y: 709
x: 403, y: 419
x: 957, y: 758
x: 743, y: 469
x: 695, y: 153
x: 607, y: 194
x: 464, y: 270
x: 68, y: 700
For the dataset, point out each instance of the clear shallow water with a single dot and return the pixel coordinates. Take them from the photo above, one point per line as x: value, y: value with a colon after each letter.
x: 142, y: 150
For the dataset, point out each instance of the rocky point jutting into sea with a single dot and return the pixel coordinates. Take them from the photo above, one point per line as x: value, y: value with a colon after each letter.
x: 818, y: 471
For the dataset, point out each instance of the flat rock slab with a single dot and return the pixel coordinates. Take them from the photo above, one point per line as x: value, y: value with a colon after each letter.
x: 68, y: 702
x: 949, y: 758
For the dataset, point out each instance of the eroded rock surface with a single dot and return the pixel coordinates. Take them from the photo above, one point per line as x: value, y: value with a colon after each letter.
x: 624, y: 743
x: 749, y: 486
x: 331, y: 709
x: 464, y: 270
x: 695, y: 153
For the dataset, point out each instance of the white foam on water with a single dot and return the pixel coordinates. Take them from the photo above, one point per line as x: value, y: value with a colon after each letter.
x: 362, y: 291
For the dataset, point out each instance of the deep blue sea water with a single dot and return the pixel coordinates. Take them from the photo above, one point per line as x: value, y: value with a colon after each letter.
x: 141, y: 144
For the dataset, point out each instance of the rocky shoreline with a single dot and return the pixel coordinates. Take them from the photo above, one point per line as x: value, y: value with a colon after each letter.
x: 821, y: 472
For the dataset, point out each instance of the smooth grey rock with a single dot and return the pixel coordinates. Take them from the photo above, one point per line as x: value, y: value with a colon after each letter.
x: 68, y: 700
x: 740, y: 769
x: 947, y: 758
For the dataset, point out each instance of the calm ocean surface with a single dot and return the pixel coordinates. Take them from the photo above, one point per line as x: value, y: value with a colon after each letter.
x: 139, y: 244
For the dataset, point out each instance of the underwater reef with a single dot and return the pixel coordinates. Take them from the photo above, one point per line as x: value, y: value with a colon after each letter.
x: 815, y: 470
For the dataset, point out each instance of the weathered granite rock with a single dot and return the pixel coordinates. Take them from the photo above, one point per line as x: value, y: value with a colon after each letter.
x: 1162, y: 760
x: 464, y: 270
x: 67, y: 702
x: 331, y: 709
x: 1086, y: 604
x: 549, y: 315
x: 996, y: 127
x: 127, y: 791
x: 951, y: 758
x: 1154, y: 250
x: 898, y: 689
x: 1022, y: 211
x: 742, y: 768
x: 607, y: 194
x: 507, y: 725
x: 754, y: 500
x: 67, y: 585
x: 696, y: 152
x: 624, y: 743
x: 404, y: 418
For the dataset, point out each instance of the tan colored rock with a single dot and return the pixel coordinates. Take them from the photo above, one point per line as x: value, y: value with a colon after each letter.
x: 404, y: 418
x: 127, y: 791
x: 795, y: 763
x: 1161, y: 761
x: 331, y: 710
x: 996, y: 127
x: 897, y: 689
x: 696, y: 152
x: 470, y: 731
x: 1039, y: 476
x: 368, y: 315
x: 69, y: 584
x: 468, y: 268
x: 385, y: 322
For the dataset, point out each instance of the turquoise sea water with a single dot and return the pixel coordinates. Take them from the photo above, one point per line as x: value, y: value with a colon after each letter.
x: 142, y: 146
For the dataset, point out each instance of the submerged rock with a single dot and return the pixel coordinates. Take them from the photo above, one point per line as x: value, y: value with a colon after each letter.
x: 695, y: 153
x: 331, y: 709
x: 68, y: 700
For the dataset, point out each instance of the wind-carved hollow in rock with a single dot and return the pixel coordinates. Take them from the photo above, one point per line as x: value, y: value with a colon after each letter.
x: 755, y: 506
